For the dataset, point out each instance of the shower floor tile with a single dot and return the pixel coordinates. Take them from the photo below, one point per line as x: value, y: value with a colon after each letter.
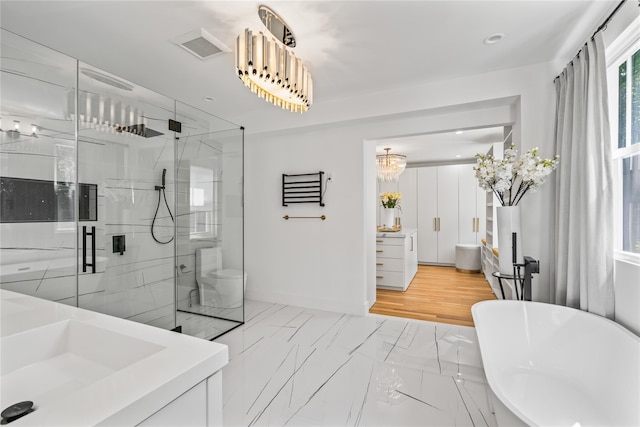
x: 294, y: 366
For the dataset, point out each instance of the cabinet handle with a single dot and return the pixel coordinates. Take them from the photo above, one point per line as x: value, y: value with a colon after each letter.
x: 435, y: 224
x: 478, y: 225
x: 473, y: 225
x: 379, y: 263
x: 379, y: 250
x: 379, y: 277
x: 411, y: 244
x: 438, y: 223
x: 379, y: 241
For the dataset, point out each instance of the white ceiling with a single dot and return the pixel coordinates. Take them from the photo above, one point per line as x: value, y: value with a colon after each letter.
x: 459, y: 146
x: 350, y: 47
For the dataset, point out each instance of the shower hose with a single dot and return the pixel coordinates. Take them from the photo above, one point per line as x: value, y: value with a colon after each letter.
x: 161, y: 194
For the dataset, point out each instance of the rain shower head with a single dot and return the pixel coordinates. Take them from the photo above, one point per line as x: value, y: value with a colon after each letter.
x: 140, y: 130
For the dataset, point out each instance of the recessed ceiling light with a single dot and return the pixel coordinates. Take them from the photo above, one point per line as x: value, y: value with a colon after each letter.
x: 209, y: 98
x: 459, y: 132
x: 458, y: 156
x: 494, y: 38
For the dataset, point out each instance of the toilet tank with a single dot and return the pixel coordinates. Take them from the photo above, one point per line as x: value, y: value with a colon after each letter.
x: 208, y: 260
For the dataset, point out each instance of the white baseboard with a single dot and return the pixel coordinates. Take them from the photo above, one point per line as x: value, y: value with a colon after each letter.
x: 310, y: 302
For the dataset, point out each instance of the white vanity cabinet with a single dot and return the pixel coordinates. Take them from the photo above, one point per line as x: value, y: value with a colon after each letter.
x: 82, y: 368
x: 200, y: 406
x: 396, y: 259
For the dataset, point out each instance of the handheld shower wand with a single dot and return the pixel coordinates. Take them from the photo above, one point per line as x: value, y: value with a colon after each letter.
x: 161, y: 194
x: 161, y: 187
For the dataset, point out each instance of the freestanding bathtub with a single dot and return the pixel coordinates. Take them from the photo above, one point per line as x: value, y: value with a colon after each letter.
x: 550, y: 365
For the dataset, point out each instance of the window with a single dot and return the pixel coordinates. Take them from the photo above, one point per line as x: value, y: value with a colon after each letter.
x: 624, y: 102
x: 202, y: 200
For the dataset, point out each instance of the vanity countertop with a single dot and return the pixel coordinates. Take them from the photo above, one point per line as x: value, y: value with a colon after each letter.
x: 82, y: 368
x: 398, y: 234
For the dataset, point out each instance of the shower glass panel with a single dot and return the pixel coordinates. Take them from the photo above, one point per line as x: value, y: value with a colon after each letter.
x: 38, y: 197
x: 109, y: 206
x: 210, y: 265
x: 126, y: 149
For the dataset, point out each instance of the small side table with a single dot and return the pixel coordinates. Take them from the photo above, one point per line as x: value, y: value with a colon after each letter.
x: 501, y: 276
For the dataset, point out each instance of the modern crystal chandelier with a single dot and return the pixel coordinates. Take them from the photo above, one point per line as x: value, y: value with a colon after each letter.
x: 270, y: 69
x: 390, y: 166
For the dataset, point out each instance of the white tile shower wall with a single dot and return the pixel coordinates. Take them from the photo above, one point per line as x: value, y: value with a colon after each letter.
x: 138, y: 284
x: 38, y: 258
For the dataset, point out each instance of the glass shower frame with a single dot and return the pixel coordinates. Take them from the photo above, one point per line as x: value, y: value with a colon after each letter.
x: 115, y: 135
x: 210, y: 211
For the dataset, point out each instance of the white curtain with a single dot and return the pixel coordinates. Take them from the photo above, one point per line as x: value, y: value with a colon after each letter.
x: 584, y: 185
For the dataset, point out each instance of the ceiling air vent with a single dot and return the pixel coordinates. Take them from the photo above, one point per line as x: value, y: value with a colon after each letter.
x: 201, y: 44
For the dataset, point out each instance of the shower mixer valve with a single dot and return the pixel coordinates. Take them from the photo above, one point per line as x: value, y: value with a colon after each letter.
x: 162, y: 187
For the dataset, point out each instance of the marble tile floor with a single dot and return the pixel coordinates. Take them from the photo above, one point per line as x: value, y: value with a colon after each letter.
x: 291, y: 366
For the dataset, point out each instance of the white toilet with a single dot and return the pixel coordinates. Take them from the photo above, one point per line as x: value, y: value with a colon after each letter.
x: 220, y: 288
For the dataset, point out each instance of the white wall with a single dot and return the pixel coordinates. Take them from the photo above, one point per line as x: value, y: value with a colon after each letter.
x: 320, y: 264
x: 627, y: 295
x: 307, y: 262
x: 369, y: 197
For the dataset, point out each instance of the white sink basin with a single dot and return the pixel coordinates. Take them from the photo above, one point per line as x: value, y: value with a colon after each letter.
x: 82, y: 368
x: 19, y: 313
x: 47, y: 363
x: 11, y: 308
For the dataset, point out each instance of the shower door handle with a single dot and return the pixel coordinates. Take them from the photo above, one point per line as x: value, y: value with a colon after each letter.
x: 85, y: 264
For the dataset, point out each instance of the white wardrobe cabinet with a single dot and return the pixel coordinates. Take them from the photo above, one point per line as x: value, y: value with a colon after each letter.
x: 437, y: 214
x: 471, y: 207
x: 447, y: 206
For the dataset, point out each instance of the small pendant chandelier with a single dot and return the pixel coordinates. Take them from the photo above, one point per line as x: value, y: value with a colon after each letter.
x: 390, y: 166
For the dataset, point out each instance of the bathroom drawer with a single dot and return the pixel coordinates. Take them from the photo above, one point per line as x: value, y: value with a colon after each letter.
x: 392, y: 241
x: 386, y: 251
x: 390, y: 264
x: 393, y: 279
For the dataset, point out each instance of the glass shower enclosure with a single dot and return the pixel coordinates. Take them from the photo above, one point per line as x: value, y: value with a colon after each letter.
x: 115, y: 198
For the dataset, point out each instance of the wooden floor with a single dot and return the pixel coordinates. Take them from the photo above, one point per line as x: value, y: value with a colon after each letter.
x: 438, y: 294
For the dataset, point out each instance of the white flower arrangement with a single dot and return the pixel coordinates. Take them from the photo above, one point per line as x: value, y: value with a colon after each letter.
x: 511, y: 178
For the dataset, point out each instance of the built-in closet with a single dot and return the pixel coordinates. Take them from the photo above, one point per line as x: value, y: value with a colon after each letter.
x: 447, y: 207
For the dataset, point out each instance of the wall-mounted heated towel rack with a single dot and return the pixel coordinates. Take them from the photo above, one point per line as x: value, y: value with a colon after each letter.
x: 302, y: 188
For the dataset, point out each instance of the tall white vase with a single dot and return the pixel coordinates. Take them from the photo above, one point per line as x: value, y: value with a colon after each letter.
x: 388, y: 217
x: 509, y: 223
